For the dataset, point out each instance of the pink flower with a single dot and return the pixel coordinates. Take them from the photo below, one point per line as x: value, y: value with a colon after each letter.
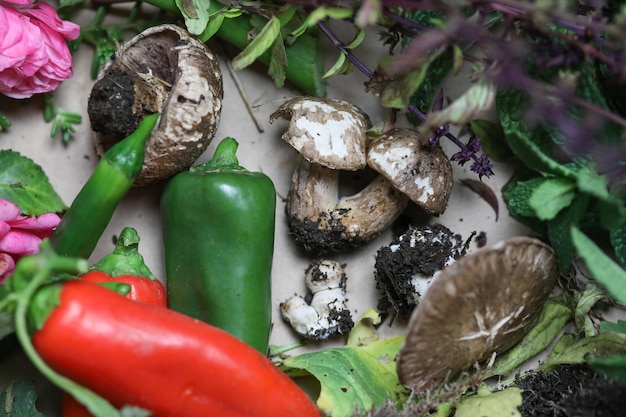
x: 34, y: 56
x: 21, y: 235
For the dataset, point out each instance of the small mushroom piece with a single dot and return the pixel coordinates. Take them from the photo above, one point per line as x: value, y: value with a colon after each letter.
x: 321, y: 221
x: 421, y: 172
x: 329, y: 132
x: 163, y: 70
x: 482, y: 304
x: 406, y: 268
x: 326, y: 314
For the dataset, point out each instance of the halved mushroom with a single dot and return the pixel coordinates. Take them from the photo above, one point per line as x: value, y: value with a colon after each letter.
x: 483, y: 303
x: 421, y: 172
x: 326, y: 131
x: 162, y: 70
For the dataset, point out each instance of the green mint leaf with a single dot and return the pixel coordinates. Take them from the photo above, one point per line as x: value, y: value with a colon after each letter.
x: 25, y: 184
x: 438, y: 70
x: 618, y: 240
x: 552, y: 196
x: 518, y: 196
x: 18, y: 400
x: 559, y: 230
x: 618, y: 327
x: 605, y: 271
x: 526, y: 143
x: 261, y: 43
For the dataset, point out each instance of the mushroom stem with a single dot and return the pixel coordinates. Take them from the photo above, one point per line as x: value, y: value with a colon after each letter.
x: 321, y: 221
x: 327, y: 313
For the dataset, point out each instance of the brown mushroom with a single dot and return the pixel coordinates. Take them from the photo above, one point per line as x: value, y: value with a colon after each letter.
x: 162, y: 70
x: 332, y: 135
x: 329, y: 132
x: 421, y: 172
x: 321, y: 221
x: 482, y: 304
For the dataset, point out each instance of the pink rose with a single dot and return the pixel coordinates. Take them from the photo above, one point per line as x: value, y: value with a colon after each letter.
x: 34, y: 57
x: 21, y: 235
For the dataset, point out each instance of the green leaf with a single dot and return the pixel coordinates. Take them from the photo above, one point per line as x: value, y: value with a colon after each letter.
x: 588, y: 299
x: 618, y: 327
x: 613, y: 366
x: 397, y: 93
x: 618, y: 240
x: 577, y: 352
x: 25, y: 184
x: 559, y: 230
x: 215, y: 22
x: 605, y: 271
x: 524, y: 141
x: 261, y: 43
x: 493, y: 404
x: 18, y: 400
x: 518, y: 197
x: 353, y: 378
x: 552, y: 196
x: 438, y: 70
x: 195, y: 13
x: 554, y: 315
x: 491, y: 136
x: 474, y: 102
x: 278, y: 62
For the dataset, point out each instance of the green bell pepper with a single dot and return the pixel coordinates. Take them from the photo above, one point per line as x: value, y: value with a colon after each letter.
x: 218, y: 223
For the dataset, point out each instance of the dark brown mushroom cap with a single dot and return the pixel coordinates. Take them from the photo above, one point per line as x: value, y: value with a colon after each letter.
x: 328, y: 132
x: 421, y: 172
x: 484, y: 303
x: 162, y: 70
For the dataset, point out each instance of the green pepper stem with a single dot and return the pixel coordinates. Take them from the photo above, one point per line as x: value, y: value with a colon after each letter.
x: 224, y: 158
x: 125, y: 258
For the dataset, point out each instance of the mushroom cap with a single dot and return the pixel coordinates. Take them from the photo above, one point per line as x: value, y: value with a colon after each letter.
x: 328, y: 132
x: 161, y: 70
x: 421, y: 172
x: 485, y: 302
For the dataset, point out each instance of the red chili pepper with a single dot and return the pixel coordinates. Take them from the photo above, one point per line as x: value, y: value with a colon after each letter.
x: 138, y: 354
x: 144, y: 287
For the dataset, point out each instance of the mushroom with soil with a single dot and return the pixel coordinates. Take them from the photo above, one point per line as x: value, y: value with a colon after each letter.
x: 163, y: 70
x: 405, y: 269
x: 482, y: 304
x: 332, y: 136
x: 326, y: 314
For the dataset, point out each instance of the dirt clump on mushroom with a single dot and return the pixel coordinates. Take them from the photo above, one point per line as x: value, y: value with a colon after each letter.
x: 404, y: 269
x: 162, y: 70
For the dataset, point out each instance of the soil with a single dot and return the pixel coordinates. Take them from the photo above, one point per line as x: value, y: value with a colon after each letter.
x: 572, y: 391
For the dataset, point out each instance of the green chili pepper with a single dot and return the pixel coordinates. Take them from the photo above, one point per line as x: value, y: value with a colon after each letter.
x: 92, y: 209
x: 218, y: 237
